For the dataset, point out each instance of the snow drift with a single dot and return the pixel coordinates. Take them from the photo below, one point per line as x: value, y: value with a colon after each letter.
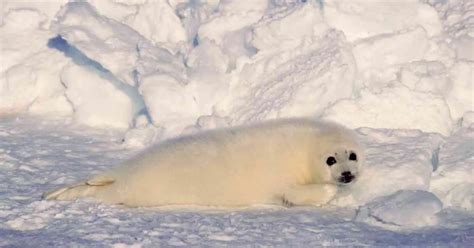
x: 401, y: 64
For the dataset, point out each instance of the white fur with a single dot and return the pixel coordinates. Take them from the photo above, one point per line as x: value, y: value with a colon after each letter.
x: 276, y: 162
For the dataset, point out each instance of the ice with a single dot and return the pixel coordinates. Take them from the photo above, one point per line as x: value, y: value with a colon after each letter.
x: 412, y: 208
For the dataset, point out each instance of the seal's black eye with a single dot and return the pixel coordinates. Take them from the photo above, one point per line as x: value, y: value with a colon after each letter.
x: 331, y: 160
x: 353, y: 156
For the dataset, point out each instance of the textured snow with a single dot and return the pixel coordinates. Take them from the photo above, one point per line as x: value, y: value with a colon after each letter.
x: 363, y: 19
x: 96, y: 102
x: 36, y: 158
x: 243, y: 61
x: 397, y: 107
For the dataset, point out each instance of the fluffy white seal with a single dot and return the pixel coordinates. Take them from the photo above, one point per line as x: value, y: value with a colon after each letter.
x: 289, y: 162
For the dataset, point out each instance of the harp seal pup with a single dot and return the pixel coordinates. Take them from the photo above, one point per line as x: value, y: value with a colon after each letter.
x: 286, y: 162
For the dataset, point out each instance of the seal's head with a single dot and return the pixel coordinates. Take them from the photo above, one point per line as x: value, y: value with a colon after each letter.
x: 338, y: 156
x: 345, y: 165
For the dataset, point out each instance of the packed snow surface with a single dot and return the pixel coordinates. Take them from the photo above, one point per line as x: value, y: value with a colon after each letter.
x: 84, y: 85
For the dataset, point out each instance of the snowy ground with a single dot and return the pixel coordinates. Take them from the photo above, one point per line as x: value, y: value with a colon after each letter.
x: 37, y: 155
x: 400, y: 72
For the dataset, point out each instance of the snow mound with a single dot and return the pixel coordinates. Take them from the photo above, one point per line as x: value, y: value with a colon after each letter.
x: 460, y: 94
x: 468, y: 120
x: 95, y: 100
x: 142, y: 136
x: 405, y: 208
x: 453, y: 178
x: 297, y: 75
x: 35, y: 86
x: 396, y: 107
x: 29, y: 72
x: 391, y: 49
x: 100, y: 38
x: 456, y: 16
x: 157, y: 21
x: 362, y: 19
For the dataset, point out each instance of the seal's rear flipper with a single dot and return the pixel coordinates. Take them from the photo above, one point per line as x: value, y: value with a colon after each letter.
x: 100, y: 181
x: 79, y: 190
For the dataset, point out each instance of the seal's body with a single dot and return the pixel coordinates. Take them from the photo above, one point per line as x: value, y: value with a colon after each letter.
x: 284, y: 161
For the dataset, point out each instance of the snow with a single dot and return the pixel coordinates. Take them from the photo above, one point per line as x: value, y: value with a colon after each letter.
x: 161, y: 94
x: 244, y: 61
x: 397, y: 107
x: 394, y: 168
x: 363, y: 19
x: 453, y: 178
x: 96, y: 102
x: 458, y: 26
x: 148, y: 19
x: 84, y: 85
x: 27, y: 79
x: 393, y: 49
x: 460, y: 94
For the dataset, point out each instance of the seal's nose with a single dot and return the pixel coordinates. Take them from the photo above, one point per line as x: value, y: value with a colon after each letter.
x: 346, y: 174
x: 346, y: 177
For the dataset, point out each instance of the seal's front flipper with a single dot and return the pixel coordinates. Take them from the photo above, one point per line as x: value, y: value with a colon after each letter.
x: 286, y: 203
x: 311, y: 194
